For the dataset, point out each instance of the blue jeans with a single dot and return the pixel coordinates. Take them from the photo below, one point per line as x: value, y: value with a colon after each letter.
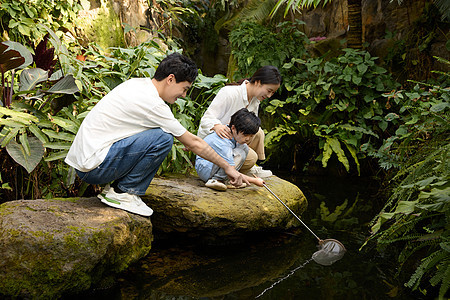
x: 132, y: 162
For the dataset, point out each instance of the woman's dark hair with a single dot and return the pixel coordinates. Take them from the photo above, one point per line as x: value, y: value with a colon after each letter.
x: 265, y: 75
x: 245, y: 121
x: 179, y: 65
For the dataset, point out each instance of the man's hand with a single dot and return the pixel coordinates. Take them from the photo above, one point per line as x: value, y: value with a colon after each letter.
x: 223, y: 131
x: 236, y: 178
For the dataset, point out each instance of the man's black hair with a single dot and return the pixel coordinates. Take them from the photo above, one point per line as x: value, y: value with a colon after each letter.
x: 245, y: 121
x: 179, y: 65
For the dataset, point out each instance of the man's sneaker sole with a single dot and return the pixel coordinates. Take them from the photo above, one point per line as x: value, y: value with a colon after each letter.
x: 117, y: 204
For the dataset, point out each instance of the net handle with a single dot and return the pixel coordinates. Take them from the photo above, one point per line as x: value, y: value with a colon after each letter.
x: 287, y: 207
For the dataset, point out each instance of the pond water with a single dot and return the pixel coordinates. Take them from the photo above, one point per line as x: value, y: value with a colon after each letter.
x: 275, y: 265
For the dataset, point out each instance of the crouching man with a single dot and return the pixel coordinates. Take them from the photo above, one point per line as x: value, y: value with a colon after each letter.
x: 129, y: 132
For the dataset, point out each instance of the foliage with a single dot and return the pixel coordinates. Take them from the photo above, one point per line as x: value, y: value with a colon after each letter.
x: 423, y: 113
x: 39, y: 126
x: 170, y: 14
x: 295, y: 5
x: 255, y: 45
x: 410, y: 57
x: 22, y: 20
x: 416, y: 216
x: 336, y: 104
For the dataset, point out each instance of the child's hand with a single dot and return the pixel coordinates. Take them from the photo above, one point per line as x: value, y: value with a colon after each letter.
x: 259, y: 182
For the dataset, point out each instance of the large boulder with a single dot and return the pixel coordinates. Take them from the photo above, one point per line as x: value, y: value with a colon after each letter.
x: 185, y: 205
x: 52, y: 247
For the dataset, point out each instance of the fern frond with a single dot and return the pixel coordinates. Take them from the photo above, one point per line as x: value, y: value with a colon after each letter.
x: 426, y: 265
x: 445, y: 282
x: 442, y: 269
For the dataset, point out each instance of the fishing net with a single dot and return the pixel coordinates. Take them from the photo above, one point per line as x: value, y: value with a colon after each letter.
x: 329, y: 252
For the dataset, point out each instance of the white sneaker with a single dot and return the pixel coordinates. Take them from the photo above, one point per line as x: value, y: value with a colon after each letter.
x: 125, y: 201
x: 258, y: 171
x: 105, y: 190
x: 216, y: 185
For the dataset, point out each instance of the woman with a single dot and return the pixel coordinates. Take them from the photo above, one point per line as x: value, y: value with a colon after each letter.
x: 245, y: 94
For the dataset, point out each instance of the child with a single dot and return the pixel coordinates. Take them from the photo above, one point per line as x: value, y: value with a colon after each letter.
x: 243, y: 126
x: 246, y: 93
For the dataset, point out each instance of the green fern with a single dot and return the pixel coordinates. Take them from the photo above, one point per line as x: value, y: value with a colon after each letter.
x: 427, y: 263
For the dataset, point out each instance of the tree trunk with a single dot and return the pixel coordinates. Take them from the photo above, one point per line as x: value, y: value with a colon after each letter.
x: 355, y: 24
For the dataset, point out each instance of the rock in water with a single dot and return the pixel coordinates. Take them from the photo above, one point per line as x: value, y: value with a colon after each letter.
x: 49, y: 248
x: 185, y: 205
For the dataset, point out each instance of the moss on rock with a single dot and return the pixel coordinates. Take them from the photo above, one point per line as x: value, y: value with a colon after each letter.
x: 102, y: 26
x: 184, y: 204
x: 62, y: 247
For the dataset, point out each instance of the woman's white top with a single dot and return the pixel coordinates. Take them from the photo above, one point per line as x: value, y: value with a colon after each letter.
x: 130, y: 108
x: 228, y: 100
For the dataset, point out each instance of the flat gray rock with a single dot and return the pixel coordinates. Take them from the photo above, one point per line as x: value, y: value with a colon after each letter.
x: 184, y: 205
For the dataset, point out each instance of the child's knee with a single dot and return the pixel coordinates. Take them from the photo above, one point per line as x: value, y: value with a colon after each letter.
x: 252, y: 157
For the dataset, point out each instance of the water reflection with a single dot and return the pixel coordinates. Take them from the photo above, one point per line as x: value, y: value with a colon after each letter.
x: 275, y: 265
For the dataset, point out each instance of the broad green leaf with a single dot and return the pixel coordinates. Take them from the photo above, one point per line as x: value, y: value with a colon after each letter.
x: 17, y: 152
x: 59, y: 135
x: 24, y: 141
x: 70, y: 178
x: 336, y: 146
x: 9, y: 59
x: 24, y: 52
x: 207, y: 82
x: 352, y: 151
x: 9, y: 137
x: 405, y: 207
x: 17, y: 115
x: 440, y: 195
x: 68, y: 125
x: 66, y: 85
x: 56, y: 155
x: 31, y: 77
x: 38, y: 133
x: 58, y: 146
x: 11, y: 123
x: 327, y: 151
x: 356, y: 79
x: 439, y: 107
x: 383, y: 217
x: 362, y: 68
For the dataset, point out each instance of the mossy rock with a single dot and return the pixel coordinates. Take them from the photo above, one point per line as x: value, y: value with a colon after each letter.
x: 50, y: 248
x: 185, y: 205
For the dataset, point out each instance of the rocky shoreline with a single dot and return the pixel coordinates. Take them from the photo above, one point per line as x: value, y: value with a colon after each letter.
x: 50, y: 248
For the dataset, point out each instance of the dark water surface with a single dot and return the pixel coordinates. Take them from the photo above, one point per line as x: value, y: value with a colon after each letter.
x: 274, y: 265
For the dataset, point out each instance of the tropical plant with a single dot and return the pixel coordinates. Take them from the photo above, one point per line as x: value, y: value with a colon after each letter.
x: 39, y: 126
x: 22, y: 20
x: 354, y: 16
x: 255, y: 45
x: 12, y: 56
x: 416, y: 216
x: 336, y: 105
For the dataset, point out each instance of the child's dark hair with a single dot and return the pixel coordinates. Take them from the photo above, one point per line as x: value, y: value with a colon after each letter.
x: 179, y: 65
x: 265, y: 75
x: 245, y: 121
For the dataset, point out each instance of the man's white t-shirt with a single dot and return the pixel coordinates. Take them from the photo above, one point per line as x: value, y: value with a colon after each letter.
x: 130, y: 108
x: 228, y: 100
